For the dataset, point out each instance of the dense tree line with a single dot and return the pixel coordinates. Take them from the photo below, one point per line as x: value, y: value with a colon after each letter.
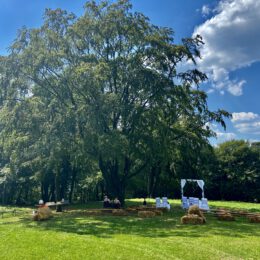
x: 231, y: 171
x: 96, y: 104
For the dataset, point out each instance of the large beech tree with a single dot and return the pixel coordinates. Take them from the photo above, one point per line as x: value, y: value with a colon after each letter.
x: 107, y: 90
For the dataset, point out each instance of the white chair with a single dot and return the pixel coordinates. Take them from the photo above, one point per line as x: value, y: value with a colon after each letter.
x: 191, y: 201
x: 185, y: 203
x: 158, y: 202
x: 164, y: 200
x: 204, y: 204
x: 165, y: 203
x: 196, y: 201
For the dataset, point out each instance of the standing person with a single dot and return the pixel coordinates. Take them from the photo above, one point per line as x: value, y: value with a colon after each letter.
x: 144, y: 202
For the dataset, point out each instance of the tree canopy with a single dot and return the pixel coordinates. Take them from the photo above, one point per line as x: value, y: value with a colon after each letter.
x: 99, y: 94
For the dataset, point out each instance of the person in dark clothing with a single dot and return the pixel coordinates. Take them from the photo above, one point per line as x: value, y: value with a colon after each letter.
x: 144, y: 202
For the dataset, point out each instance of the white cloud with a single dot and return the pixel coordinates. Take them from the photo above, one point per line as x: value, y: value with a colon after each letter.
x: 225, y: 136
x: 249, y: 127
x: 235, y: 88
x: 211, y: 90
x: 205, y: 10
x: 232, y: 41
x: 253, y: 141
x: 221, y: 136
x: 243, y: 116
x: 246, y: 122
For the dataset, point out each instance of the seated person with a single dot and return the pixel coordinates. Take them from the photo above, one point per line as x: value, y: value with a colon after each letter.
x: 117, y: 203
x: 106, y: 202
x: 41, y: 204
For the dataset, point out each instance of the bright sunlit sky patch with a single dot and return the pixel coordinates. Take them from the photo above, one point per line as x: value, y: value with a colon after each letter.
x: 230, y: 56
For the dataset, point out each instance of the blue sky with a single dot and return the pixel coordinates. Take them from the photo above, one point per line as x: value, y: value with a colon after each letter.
x: 231, y: 55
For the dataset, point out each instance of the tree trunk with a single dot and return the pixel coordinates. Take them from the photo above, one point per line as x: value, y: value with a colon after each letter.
x: 73, y: 179
x: 114, y: 185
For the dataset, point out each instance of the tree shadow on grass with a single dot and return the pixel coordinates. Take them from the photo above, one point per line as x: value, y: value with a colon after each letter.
x: 106, y: 226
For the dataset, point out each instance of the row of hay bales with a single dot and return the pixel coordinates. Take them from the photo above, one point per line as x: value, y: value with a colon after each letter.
x: 195, y: 216
x: 230, y: 215
x: 140, y: 211
x: 143, y: 212
x: 45, y: 213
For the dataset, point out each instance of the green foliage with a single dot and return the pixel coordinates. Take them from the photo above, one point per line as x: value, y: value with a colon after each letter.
x: 238, y: 171
x: 99, y: 92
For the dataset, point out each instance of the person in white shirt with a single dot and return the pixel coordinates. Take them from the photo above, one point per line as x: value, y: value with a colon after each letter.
x: 106, y: 202
x: 117, y: 203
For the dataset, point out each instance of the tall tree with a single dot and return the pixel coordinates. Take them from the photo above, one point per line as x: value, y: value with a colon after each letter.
x: 236, y: 175
x: 109, y: 85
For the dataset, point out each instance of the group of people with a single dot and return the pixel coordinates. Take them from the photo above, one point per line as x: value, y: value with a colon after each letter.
x: 107, y: 203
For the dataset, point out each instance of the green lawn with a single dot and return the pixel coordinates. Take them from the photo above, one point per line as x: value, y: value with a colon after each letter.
x: 77, y: 235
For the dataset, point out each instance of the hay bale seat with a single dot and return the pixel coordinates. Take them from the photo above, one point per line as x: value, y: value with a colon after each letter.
x: 106, y: 211
x: 98, y: 211
x: 93, y: 212
x: 194, y: 210
x: 131, y: 210
x: 158, y: 212
x: 119, y: 212
x: 43, y: 213
x: 133, y: 207
x: 164, y: 210
x: 146, y: 214
x: 254, y: 218
x: 225, y: 216
x: 194, y: 216
x: 240, y: 213
x: 153, y: 209
x: 192, y: 219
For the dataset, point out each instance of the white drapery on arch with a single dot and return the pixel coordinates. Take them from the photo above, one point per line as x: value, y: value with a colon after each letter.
x: 199, y: 182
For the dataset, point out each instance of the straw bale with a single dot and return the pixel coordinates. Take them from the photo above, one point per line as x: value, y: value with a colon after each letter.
x: 42, y: 214
x: 131, y: 210
x: 158, y: 212
x: 146, y: 214
x: 194, y: 210
x: 119, y: 212
x: 254, y: 218
x: 192, y: 219
x: 225, y: 216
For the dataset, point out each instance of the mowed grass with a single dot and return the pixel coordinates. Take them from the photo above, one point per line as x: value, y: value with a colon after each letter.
x: 77, y: 235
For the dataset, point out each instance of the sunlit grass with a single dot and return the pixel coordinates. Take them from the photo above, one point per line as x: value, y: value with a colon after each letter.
x: 77, y: 235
